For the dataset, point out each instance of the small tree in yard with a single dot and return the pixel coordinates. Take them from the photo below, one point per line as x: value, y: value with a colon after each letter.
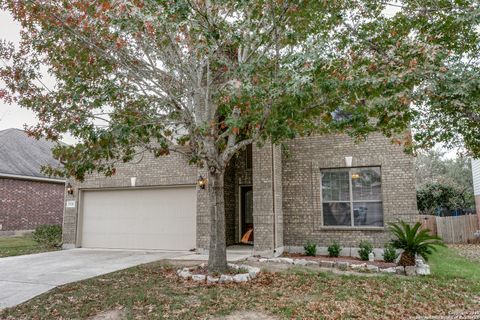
x: 413, y: 241
x: 205, y: 78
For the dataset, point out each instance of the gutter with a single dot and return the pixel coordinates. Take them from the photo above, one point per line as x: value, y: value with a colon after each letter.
x: 31, y: 178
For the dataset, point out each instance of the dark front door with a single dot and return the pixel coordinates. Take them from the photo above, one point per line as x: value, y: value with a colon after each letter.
x: 246, y: 210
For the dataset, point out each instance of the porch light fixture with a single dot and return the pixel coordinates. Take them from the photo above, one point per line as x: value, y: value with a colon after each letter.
x: 133, y: 181
x: 202, y: 182
x: 348, y: 161
x: 355, y: 176
x: 69, y: 188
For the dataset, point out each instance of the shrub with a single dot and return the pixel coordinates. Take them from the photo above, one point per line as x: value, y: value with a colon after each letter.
x: 434, y: 196
x: 334, y: 249
x: 413, y: 241
x: 390, y: 253
x: 48, y: 235
x: 310, y: 249
x: 365, y: 249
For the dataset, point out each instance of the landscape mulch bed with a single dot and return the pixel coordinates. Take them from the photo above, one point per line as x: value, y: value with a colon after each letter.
x: 469, y: 251
x: 351, y: 260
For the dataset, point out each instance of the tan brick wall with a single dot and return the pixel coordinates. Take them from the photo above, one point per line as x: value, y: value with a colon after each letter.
x: 236, y: 175
x: 294, y: 175
x: 203, y: 217
x: 267, y: 198
x: 301, y: 187
x: 278, y: 192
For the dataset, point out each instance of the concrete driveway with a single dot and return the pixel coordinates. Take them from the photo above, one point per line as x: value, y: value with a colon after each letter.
x: 24, y: 277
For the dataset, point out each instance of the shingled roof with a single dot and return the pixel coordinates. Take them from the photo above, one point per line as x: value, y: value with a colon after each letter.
x: 21, y: 155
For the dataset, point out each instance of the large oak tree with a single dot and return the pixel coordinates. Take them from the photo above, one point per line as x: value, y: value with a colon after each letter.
x: 207, y: 77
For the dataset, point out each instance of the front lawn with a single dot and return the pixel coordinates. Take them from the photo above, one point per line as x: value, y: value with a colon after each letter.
x: 153, y: 291
x: 18, y: 245
x: 448, y: 263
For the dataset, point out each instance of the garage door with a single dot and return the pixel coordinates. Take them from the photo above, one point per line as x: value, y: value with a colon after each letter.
x: 161, y: 218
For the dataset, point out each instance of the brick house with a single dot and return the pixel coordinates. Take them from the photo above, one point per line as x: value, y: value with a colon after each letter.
x: 27, y: 197
x: 317, y: 189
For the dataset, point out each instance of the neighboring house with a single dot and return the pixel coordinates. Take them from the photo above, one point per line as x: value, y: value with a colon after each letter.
x: 476, y: 183
x: 304, y: 192
x: 27, y: 197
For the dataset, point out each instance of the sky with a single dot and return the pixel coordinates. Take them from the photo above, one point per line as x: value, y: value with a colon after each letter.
x: 12, y: 116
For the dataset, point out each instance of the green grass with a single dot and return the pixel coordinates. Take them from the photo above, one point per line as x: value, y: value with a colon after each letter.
x: 19, y: 245
x: 445, y: 263
x: 154, y: 291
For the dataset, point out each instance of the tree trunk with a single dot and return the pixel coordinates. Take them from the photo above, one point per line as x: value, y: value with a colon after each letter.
x: 407, y: 259
x: 217, y: 258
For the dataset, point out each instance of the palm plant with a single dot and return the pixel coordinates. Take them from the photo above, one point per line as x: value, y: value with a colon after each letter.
x: 413, y: 241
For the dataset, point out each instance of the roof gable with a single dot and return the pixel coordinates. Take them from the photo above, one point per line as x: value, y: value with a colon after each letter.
x: 23, y: 155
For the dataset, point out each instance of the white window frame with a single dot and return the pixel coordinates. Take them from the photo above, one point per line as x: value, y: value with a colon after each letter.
x: 351, y: 201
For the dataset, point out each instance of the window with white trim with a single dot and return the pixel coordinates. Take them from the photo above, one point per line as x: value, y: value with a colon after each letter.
x: 352, y: 197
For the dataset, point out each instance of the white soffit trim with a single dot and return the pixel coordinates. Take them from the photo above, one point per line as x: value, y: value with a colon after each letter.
x: 32, y: 178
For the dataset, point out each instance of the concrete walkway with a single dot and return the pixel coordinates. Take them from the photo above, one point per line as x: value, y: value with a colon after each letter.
x: 24, y: 277
x: 234, y: 253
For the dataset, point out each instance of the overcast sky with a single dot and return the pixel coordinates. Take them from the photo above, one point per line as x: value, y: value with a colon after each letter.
x: 12, y: 116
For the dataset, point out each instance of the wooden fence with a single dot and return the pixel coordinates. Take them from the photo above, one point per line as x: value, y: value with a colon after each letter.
x: 452, y: 229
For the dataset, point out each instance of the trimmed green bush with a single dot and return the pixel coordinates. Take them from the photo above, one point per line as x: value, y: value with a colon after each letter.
x: 334, y: 249
x: 390, y: 253
x: 49, y: 236
x: 310, y: 249
x: 365, y: 249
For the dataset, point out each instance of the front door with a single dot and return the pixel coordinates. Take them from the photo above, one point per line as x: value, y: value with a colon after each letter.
x: 246, y: 214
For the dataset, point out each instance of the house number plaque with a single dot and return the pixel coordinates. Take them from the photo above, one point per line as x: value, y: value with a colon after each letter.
x: 71, y: 204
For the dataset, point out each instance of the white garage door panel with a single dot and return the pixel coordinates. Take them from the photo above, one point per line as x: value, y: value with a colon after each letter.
x: 140, y: 219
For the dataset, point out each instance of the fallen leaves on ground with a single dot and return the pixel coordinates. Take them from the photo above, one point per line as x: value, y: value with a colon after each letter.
x: 154, y: 291
x: 469, y: 251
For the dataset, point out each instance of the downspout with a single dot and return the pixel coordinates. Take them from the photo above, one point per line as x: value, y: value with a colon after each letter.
x: 273, y: 204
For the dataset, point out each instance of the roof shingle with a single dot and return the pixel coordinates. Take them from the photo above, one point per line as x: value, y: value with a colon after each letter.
x: 23, y: 155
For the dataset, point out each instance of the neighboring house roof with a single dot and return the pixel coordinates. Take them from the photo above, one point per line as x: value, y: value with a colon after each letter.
x: 476, y: 176
x: 23, y: 156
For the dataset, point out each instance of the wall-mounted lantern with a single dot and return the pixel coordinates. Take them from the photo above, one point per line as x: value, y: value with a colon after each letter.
x: 69, y: 188
x: 348, y: 161
x: 202, y: 182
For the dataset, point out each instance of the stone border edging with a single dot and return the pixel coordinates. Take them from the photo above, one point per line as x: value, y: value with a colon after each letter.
x: 188, y: 273
x: 420, y: 269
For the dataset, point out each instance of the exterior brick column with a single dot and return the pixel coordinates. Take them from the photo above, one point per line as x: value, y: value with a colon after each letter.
x: 267, y: 199
x: 203, y: 216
